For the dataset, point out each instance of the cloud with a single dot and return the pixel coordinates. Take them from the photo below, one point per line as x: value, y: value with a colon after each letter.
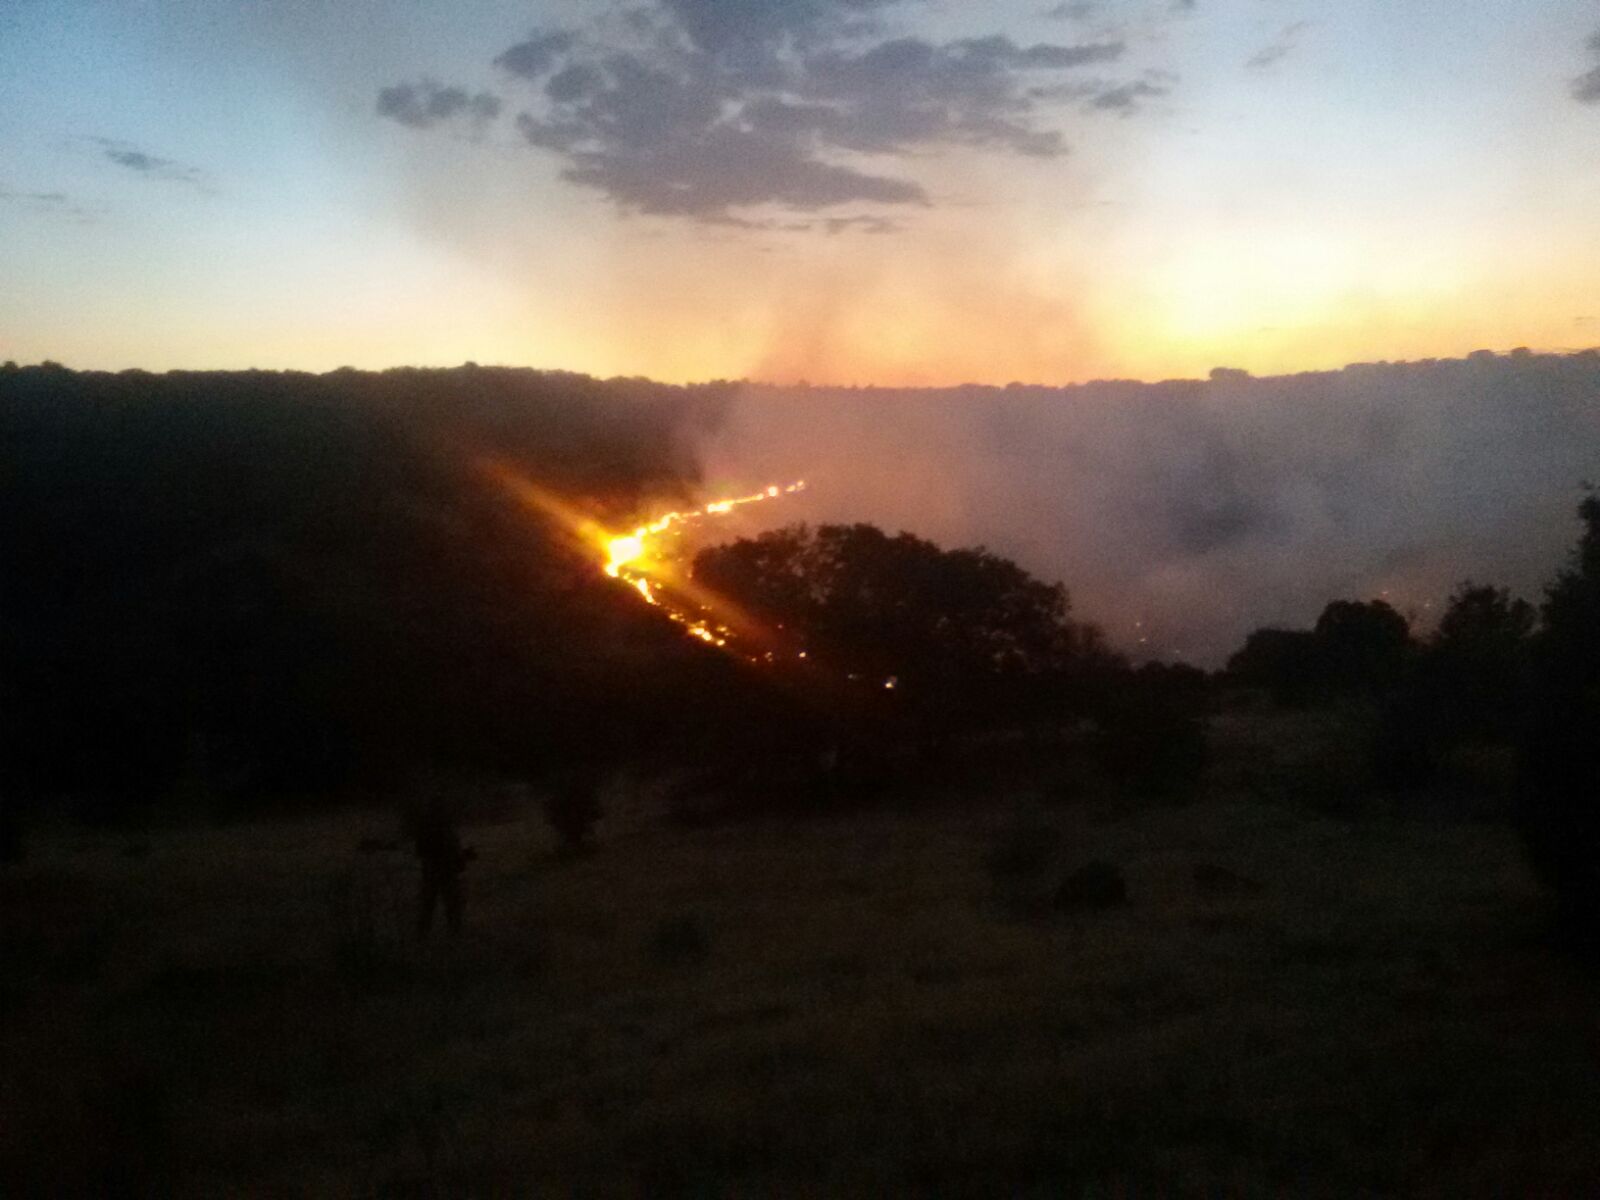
x: 906, y: 95
x: 56, y: 204
x: 719, y: 26
x: 728, y: 168
x: 1586, y: 87
x: 149, y: 165
x: 1072, y: 10
x: 861, y: 224
x: 1288, y: 38
x: 1126, y: 98
x: 534, y: 57
x: 424, y: 104
x: 715, y: 110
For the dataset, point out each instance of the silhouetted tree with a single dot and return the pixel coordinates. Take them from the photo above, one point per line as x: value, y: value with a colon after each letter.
x: 954, y: 637
x: 1559, y: 765
x: 1355, y: 649
x: 1478, y: 662
x: 1283, y: 662
x: 1361, y: 647
x: 1467, y: 684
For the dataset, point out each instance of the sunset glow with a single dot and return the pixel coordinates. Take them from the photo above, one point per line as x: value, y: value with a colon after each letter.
x: 1131, y: 189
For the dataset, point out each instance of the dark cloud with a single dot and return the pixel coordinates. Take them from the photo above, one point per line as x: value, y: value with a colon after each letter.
x: 534, y: 58
x: 1586, y: 87
x: 573, y: 82
x: 709, y: 109
x: 1288, y: 38
x: 424, y: 104
x: 727, y: 168
x: 867, y: 224
x: 904, y: 95
x: 149, y: 165
x: 1125, y: 98
x: 55, y: 204
x: 719, y: 26
x: 673, y: 134
x: 44, y: 199
x: 1072, y: 10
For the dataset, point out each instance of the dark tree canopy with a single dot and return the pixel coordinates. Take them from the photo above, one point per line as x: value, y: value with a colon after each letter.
x: 1559, y: 807
x: 1283, y: 662
x: 897, y: 605
x: 1356, y: 648
x: 1475, y: 668
x: 1483, y: 620
x: 1362, y: 646
x: 945, y: 626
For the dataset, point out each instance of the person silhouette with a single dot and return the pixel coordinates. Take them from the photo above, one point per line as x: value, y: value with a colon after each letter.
x: 443, y: 860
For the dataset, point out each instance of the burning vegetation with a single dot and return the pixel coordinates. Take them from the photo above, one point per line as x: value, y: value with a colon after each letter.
x: 633, y: 558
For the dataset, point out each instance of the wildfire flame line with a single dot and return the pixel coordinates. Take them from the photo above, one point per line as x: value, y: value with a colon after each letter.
x: 625, y: 558
x: 626, y: 554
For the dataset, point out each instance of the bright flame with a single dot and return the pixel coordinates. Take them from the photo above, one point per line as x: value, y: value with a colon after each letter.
x: 622, y: 551
x: 627, y: 556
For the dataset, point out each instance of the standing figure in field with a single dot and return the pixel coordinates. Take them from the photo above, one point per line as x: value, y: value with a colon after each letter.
x: 443, y: 860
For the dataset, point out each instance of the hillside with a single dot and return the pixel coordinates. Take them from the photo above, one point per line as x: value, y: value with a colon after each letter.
x: 859, y: 1005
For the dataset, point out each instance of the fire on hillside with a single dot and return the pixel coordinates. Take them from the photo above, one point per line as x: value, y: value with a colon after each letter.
x: 638, y: 560
x: 630, y: 557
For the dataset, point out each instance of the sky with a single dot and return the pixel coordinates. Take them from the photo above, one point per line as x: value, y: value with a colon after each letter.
x: 894, y: 192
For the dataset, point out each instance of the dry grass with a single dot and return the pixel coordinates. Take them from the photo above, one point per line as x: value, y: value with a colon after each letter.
x: 866, y: 1005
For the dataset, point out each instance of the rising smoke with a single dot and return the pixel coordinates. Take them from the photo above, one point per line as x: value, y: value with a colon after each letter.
x: 1187, y: 513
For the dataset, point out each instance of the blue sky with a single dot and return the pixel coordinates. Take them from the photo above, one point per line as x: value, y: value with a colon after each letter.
x: 843, y: 190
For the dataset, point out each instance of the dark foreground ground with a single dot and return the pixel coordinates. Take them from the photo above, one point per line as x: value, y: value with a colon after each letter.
x: 863, y: 1005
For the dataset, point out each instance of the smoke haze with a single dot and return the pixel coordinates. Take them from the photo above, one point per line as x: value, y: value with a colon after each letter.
x: 1187, y: 513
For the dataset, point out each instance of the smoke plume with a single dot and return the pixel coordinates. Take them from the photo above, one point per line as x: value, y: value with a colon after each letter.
x: 1187, y: 513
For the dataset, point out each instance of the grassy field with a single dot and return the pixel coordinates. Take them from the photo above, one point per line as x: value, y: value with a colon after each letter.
x: 861, y: 1005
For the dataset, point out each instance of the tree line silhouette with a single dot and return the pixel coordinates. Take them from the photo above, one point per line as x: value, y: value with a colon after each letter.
x: 249, y: 590
x: 1495, y: 672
